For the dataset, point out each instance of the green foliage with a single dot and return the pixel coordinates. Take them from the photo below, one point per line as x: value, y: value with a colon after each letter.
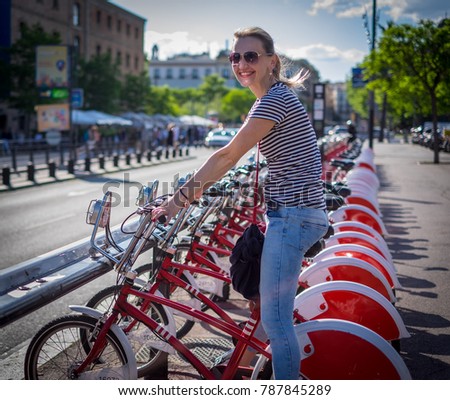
x: 135, y: 92
x: 100, y: 79
x: 162, y: 100
x: 412, y: 66
x: 236, y: 104
x: 22, y: 67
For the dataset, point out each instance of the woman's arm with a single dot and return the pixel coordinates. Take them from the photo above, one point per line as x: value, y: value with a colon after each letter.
x: 217, y: 165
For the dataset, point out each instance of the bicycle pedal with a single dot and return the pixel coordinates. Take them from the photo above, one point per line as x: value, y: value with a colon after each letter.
x: 223, y: 358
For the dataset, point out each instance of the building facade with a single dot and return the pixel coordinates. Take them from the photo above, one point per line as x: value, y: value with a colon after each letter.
x: 89, y: 27
x: 189, y: 71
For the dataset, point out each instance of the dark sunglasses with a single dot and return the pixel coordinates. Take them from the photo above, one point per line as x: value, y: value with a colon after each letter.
x: 250, y: 57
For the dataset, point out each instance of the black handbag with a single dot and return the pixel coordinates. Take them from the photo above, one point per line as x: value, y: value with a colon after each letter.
x: 245, y: 258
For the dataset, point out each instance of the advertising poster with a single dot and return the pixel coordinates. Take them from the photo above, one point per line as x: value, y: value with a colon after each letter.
x: 52, y: 67
x: 53, y: 116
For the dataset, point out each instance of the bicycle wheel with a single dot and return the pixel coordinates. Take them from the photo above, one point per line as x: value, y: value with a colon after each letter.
x: 59, y: 347
x: 150, y: 355
x: 334, y: 349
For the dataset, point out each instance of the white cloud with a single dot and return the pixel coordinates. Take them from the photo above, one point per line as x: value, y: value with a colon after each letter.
x: 170, y: 44
x: 326, y: 53
x: 395, y: 9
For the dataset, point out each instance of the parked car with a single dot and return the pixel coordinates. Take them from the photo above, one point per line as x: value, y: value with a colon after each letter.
x: 219, y: 137
x: 338, y: 129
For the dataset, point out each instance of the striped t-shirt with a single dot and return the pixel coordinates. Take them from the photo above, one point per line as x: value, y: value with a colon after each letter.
x: 291, y: 151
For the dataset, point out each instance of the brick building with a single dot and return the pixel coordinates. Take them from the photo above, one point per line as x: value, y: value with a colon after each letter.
x: 89, y: 27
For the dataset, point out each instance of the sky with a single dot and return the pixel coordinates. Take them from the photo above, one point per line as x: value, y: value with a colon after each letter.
x: 331, y: 34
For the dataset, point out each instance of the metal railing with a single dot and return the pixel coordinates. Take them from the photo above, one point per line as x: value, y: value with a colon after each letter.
x: 33, y: 284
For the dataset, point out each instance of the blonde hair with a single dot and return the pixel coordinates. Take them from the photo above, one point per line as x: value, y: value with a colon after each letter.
x: 296, y: 81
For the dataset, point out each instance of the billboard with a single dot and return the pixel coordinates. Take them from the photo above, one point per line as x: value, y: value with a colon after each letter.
x: 53, y: 116
x: 52, y: 67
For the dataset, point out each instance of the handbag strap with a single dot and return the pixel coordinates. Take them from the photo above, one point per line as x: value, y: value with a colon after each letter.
x: 255, y: 187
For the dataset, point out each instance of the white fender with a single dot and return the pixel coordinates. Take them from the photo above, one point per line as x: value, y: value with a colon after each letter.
x: 359, y: 237
x: 357, y: 226
x: 376, y: 311
x: 344, y: 214
x: 337, y: 349
x: 332, y: 250
x: 320, y: 272
x: 127, y: 372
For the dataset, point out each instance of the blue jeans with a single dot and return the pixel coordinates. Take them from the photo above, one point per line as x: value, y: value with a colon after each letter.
x: 289, y: 234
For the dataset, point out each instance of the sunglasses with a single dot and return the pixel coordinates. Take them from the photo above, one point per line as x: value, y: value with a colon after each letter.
x: 250, y: 57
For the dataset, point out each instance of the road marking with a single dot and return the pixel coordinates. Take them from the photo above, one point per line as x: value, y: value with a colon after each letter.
x: 52, y: 220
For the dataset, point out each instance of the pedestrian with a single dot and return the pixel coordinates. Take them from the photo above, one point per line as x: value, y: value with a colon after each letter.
x: 293, y: 193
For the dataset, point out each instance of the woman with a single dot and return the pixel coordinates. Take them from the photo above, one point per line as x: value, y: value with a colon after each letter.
x: 296, y: 215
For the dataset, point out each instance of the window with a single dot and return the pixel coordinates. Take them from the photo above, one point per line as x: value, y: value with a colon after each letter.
x: 169, y: 73
x: 55, y: 5
x: 127, y: 60
x: 128, y: 29
x: 76, y: 14
x: 136, y: 63
x: 156, y: 74
x: 76, y: 45
x: 226, y: 73
x: 182, y: 74
x: 208, y: 72
x: 195, y: 73
x: 136, y: 33
x: 119, y: 58
x: 98, y: 50
x: 109, y: 22
x: 99, y: 17
x: 119, y: 25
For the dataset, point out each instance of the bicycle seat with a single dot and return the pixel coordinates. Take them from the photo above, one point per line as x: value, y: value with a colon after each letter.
x: 344, y: 163
x: 333, y: 202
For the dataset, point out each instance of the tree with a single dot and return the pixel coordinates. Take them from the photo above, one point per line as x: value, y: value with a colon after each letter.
x: 21, y: 69
x: 236, y: 104
x: 413, y: 64
x: 162, y: 101
x: 100, y: 80
x: 135, y: 91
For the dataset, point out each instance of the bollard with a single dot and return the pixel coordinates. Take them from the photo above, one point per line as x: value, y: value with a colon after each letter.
x: 149, y: 155
x: 52, y: 169
x: 139, y: 157
x: 6, y: 176
x: 71, y: 166
x: 158, y: 155
x: 116, y: 160
x: 167, y: 153
x: 187, y: 151
x: 87, y: 164
x: 174, y: 153
x: 180, y: 152
x: 101, y: 161
x: 30, y: 172
x: 128, y: 158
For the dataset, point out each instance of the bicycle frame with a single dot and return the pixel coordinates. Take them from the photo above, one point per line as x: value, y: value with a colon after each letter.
x: 244, y: 336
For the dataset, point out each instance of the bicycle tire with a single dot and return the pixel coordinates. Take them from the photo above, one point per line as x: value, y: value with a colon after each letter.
x: 148, y: 359
x: 57, y: 349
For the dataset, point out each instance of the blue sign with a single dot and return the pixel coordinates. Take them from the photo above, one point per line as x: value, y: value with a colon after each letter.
x: 77, y: 98
x: 358, y: 78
